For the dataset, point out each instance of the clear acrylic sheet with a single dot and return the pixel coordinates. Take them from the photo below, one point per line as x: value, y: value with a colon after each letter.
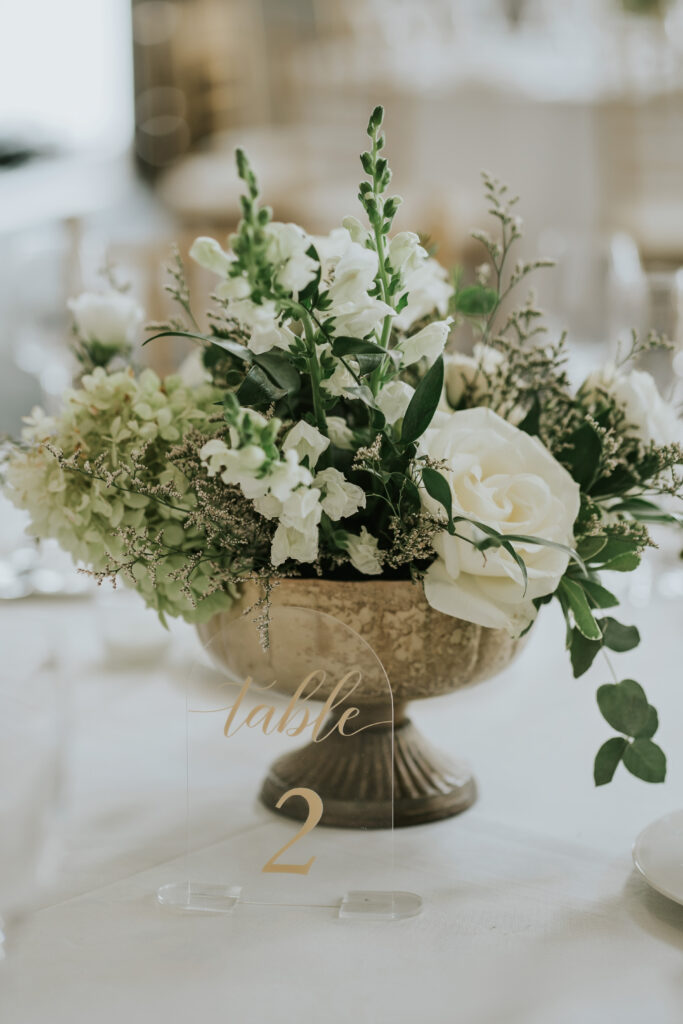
x: 292, y: 744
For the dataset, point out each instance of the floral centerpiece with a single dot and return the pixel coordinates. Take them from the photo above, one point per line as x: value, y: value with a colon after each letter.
x: 330, y: 432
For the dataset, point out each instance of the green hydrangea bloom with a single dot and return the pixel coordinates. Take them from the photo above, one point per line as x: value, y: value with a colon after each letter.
x: 111, y: 416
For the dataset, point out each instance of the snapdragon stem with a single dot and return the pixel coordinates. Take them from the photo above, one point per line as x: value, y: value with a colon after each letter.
x: 314, y: 370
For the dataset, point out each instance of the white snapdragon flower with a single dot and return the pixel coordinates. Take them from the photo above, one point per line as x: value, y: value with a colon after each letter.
x: 209, y: 254
x: 340, y: 379
x: 394, y: 399
x: 111, y: 318
x: 284, y: 477
x: 341, y: 498
x: 260, y: 319
x: 340, y: 433
x: 306, y: 441
x: 287, y: 248
x: 423, y: 277
x: 355, y: 312
x: 297, y: 533
x: 363, y: 551
x: 427, y: 344
x: 357, y: 232
x: 636, y: 393
x: 242, y: 467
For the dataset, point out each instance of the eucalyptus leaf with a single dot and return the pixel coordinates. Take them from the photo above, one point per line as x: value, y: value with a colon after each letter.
x: 607, y: 760
x: 624, y: 705
x: 651, y: 724
x: 582, y: 652
x: 619, y: 637
x: 646, y: 760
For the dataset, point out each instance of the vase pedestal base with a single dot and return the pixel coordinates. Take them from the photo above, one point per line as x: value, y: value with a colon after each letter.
x: 359, y: 777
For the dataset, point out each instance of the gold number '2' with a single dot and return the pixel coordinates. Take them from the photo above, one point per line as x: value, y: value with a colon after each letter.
x: 315, y: 812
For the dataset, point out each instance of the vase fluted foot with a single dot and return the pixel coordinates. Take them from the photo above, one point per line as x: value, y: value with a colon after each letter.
x: 356, y: 777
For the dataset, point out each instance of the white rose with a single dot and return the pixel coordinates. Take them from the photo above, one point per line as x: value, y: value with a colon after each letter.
x: 469, y: 373
x: 306, y: 441
x: 427, y: 344
x: 507, y: 480
x: 394, y: 399
x: 108, y: 317
x: 637, y: 395
x: 287, y: 245
x: 340, y: 433
x: 363, y: 552
x: 341, y: 497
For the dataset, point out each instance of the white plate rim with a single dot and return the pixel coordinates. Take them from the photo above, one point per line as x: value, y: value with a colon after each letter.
x: 662, y: 890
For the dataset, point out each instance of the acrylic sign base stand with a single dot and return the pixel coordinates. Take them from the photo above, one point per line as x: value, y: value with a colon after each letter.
x: 316, y: 679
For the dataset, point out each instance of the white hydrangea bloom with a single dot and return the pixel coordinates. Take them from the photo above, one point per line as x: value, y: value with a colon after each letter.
x: 363, y: 551
x: 111, y: 317
x: 306, y: 441
x: 427, y: 344
x: 394, y: 399
x: 341, y: 498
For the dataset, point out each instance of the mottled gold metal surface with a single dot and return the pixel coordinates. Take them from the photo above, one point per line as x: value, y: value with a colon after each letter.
x: 424, y: 652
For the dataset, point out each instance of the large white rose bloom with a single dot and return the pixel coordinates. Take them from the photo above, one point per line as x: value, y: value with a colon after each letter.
x: 637, y: 395
x: 507, y: 480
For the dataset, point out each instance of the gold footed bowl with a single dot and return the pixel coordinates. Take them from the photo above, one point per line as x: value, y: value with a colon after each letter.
x: 424, y: 653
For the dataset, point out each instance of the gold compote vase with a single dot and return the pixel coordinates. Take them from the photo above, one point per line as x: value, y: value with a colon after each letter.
x: 425, y: 654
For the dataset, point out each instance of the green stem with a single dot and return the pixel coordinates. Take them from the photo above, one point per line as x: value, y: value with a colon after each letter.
x: 314, y: 370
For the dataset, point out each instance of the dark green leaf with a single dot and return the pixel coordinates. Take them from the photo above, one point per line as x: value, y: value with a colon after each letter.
x: 646, y: 760
x: 584, y: 456
x: 589, y: 547
x: 619, y: 637
x: 578, y: 602
x: 582, y: 652
x: 439, y: 489
x: 258, y: 390
x: 623, y: 563
x: 279, y: 368
x: 624, y: 705
x: 598, y: 595
x: 607, y: 759
x: 532, y: 421
x: 423, y: 404
x: 651, y: 725
x: 352, y: 346
x: 476, y: 300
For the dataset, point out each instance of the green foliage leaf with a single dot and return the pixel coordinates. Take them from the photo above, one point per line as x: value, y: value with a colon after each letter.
x: 531, y: 423
x: 476, y: 300
x: 623, y: 563
x: 624, y: 705
x: 577, y: 601
x: 582, y: 652
x: 584, y: 455
x: 646, y: 760
x: 598, y: 595
x: 353, y: 346
x: 258, y: 390
x: 619, y: 637
x: 280, y: 370
x: 651, y: 724
x: 439, y: 489
x: 589, y: 547
x: 607, y: 760
x: 423, y: 404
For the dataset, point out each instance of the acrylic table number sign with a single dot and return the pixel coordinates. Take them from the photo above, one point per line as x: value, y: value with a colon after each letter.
x: 290, y: 749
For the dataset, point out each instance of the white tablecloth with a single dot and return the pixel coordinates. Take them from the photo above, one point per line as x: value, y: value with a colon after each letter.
x: 533, y: 912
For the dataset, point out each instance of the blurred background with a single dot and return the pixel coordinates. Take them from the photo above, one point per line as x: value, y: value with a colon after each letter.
x: 119, y: 119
